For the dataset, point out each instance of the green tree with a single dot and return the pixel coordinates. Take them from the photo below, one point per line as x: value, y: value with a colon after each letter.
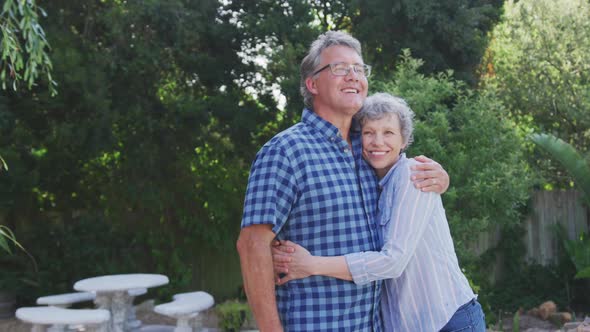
x: 446, y: 34
x: 539, y: 62
x: 24, y: 46
x: 21, y: 32
x: 151, y: 134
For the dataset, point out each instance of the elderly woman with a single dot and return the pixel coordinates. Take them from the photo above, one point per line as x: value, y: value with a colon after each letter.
x: 424, y: 288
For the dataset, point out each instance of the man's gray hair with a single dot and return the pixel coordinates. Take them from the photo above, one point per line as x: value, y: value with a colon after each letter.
x: 379, y: 105
x: 312, y: 60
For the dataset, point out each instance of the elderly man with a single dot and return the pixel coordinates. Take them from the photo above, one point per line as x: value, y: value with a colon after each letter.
x: 309, y: 184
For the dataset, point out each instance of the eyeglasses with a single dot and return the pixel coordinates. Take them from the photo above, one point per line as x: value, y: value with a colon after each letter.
x: 342, y: 69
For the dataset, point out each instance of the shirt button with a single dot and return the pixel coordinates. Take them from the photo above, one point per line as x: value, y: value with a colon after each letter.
x: 346, y: 150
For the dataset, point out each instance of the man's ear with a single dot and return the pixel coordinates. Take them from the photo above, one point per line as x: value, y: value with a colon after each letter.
x: 311, y: 85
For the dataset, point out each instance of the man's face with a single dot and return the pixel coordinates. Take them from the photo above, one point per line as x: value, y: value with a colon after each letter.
x: 382, y: 142
x: 338, y: 95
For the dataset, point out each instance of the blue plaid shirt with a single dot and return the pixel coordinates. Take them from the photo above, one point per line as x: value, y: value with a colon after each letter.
x: 306, y: 183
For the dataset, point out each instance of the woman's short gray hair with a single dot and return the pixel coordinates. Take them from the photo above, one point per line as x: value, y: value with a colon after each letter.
x: 312, y: 60
x: 379, y: 105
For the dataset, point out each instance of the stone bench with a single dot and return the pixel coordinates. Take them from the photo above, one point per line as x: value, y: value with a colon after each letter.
x: 186, y: 307
x: 68, y: 299
x: 65, y: 300
x: 59, y: 318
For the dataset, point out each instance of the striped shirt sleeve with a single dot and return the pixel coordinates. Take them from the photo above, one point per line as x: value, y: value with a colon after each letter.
x: 411, y: 210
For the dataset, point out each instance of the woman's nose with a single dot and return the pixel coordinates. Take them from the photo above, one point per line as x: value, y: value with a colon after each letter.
x: 378, y: 139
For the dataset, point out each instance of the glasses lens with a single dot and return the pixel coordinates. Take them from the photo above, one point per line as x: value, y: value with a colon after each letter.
x: 339, y: 69
x: 359, y: 69
x: 342, y: 69
x: 364, y: 69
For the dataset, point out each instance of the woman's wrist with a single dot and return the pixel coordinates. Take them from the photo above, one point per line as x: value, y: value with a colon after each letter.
x: 334, y: 266
x: 315, y: 266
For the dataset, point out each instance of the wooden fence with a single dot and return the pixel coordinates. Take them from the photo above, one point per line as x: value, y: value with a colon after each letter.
x: 550, y: 208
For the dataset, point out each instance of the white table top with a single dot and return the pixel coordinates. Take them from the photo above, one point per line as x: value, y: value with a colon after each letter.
x: 120, y: 282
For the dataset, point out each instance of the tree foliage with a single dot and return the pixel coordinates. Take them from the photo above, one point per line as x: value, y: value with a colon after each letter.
x: 539, y: 61
x: 151, y: 132
x: 570, y: 159
x: 446, y: 34
x: 24, y: 46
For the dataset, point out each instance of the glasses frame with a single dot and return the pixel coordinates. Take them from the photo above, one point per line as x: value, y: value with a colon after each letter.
x: 367, y: 69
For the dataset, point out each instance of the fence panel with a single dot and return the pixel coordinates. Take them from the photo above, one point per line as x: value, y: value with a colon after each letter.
x: 550, y: 208
x: 563, y: 207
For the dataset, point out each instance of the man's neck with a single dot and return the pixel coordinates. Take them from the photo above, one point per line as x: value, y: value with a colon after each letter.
x: 340, y: 121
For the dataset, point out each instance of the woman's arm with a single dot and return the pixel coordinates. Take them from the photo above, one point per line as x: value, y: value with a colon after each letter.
x: 411, y: 211
x: 295, y: 262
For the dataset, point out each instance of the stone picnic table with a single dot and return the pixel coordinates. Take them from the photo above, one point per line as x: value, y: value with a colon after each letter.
x: 113, y: 294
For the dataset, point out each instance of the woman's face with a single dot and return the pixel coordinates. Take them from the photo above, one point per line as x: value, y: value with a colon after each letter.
x: 382, y: 143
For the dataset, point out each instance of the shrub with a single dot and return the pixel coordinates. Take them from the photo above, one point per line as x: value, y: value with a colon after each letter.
x: 232, y: 314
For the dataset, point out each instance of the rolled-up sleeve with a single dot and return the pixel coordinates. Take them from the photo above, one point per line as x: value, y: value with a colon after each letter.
x: 411, y: 211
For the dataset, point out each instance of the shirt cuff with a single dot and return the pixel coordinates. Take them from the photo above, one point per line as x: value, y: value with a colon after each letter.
x: 356, y: 266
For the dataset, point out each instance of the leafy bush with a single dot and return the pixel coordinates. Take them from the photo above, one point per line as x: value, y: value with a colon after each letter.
x: 232, y: 315
x: 532, y: 285
x: 579, y: 252
x: 70, y: 250
x: 539, y: 62
x: 569, y: 158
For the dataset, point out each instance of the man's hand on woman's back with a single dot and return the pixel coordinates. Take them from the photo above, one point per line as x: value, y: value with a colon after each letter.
x: 429, y: 176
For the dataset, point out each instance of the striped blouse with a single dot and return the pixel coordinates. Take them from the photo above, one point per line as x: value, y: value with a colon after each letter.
x: 424, y: 285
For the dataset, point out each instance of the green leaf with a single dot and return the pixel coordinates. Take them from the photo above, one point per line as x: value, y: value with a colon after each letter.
x: 571, y: 160
x: 5, y: 234
x: 585, y: 273
x: 3, y: 164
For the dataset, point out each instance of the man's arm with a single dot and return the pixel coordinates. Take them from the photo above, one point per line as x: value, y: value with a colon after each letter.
x: 254, y: 247
x: 429, y: 176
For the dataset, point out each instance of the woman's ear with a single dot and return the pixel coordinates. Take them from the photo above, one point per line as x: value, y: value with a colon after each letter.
x: 311, y: 85
x: 403, y: 148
